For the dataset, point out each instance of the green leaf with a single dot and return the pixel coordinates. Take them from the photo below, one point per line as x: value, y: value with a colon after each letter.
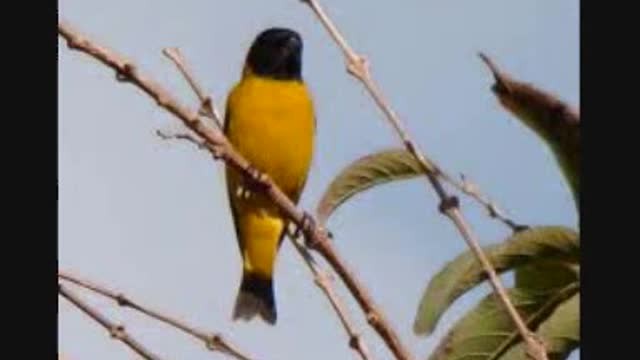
x: 374, y: 169
x: 546, y: 274
x: 560, y: 332
x: 487, y: 332
x: 555, y: 122
x: 549, y: 243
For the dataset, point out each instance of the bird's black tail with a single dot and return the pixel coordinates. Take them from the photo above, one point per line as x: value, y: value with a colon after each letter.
x: 255, y: 298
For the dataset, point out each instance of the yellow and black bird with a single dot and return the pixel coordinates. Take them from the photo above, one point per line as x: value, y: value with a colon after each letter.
x: 270, y: 120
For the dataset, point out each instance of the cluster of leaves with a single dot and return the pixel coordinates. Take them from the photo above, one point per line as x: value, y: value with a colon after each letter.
x: 545, y: 259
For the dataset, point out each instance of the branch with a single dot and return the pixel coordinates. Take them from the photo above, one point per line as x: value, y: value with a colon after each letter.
x: 117, y: 332
x: 323, y: 281
x: 316, y: 237
x: 472, y: 190
x: 182, y: 136
x: 213, y: 342
x: 206, y: 103
x: 358, y: 67
x: 321, y: 277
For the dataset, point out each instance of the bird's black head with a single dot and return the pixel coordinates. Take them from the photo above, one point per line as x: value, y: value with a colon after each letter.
x: 276, y: 53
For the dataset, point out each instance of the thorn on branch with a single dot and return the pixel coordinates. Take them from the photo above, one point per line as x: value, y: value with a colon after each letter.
x: 125, y: 74
x: 448, y: 203
x: 214, y: 342
x: 353, y: 341
x: 358, y: 66
x: 122, y: 300
x: 206, y: 107
x: 117, y: 332
x: 372, y: 318
x: 471, y: 188
x: 73, y: 44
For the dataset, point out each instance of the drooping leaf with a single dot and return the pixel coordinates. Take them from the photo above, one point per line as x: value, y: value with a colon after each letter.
x: 549, y: 243
x: 487, y: 332
x: 374, y: 169
x: 545, y: 274
x: 555, y: 122
x: 560, y: 332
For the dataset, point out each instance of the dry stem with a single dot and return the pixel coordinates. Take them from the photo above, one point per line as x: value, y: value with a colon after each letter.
x: 317, y: 237
x: 358, y: 67
x: 206, y: 103
x: 117, y: 332
x: 213, y: 342
x: 323, y: 281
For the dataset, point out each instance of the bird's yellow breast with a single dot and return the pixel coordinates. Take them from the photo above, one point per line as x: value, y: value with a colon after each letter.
x: 271, y: 123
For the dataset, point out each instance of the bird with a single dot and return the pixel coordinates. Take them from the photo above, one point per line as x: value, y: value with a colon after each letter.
x: 269, y: 120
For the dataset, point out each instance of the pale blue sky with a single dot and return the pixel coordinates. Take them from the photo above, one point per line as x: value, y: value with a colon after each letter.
x: 150, y: 218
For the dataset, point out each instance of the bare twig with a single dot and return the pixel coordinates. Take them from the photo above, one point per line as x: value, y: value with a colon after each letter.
x: 117, y: 332
x: 182, y: 136
x: 472, y: 189
x: 323, y: 281
x: 317, y: 237
x: 206, y: 103
x: 358, y: 67
x: 213, y: 341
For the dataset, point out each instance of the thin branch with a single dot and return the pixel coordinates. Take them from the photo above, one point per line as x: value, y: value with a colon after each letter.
x: 117, y: 332
x: 182, y: 136
x: 471, y: 189
x: 323, y: 281
x: 316, y: 236
x: 358, y: 67
x: 206, y: 103
x: 213, y: 342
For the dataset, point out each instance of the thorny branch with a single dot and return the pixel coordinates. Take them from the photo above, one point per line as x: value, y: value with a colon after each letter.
x: 213, y: 342
x: 358, y: 67
x: 316, y: 237
x: 117, y: 332
x: 321, y: 277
